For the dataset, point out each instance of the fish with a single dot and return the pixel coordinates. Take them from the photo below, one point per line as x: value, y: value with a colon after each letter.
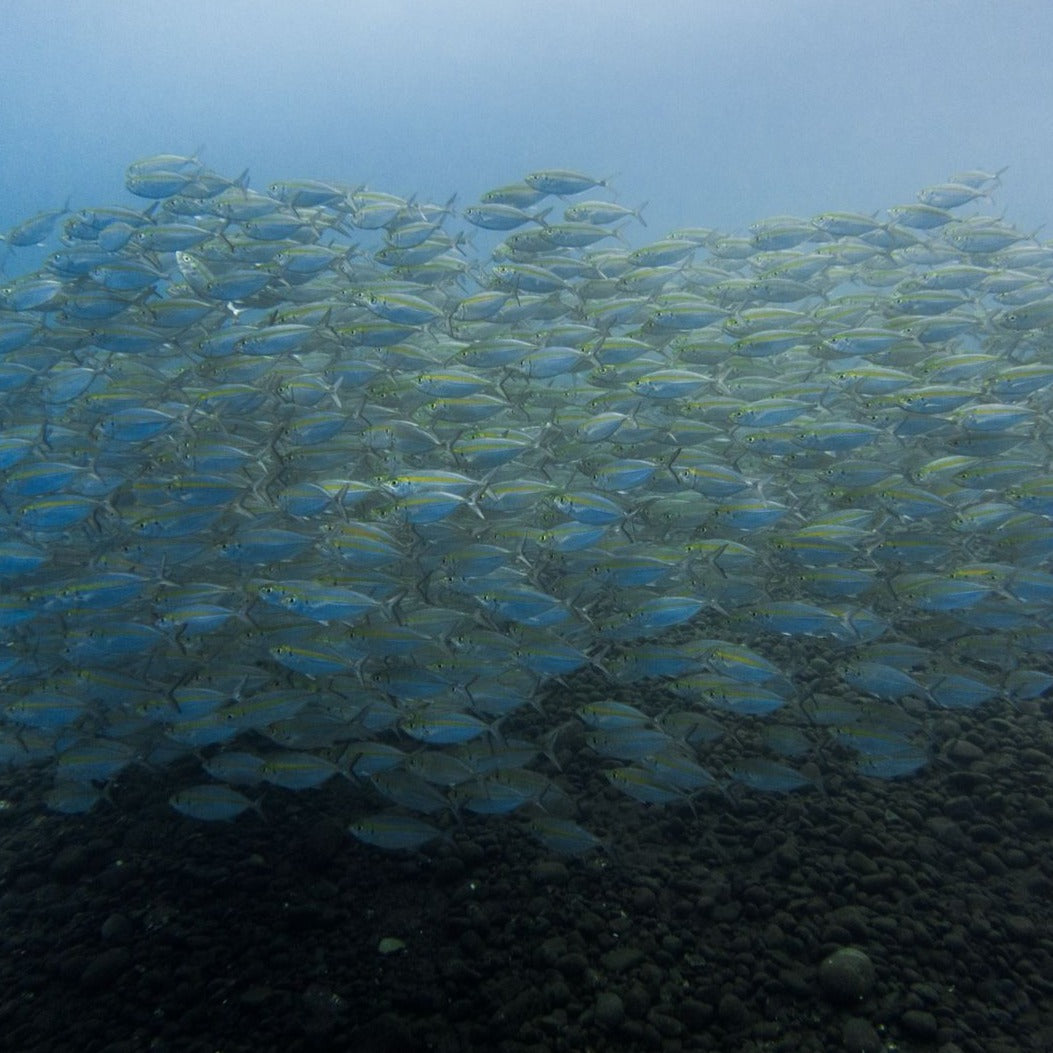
x: 495, y: 215
x: 564, y: 836
x: 295, y: 770
x: 644, y: 785
x: 73, y: 798
x: 561, y: 181
x: 443, y: 727
x: 305, y: 482
x: 767, y: 776
x: 211, y: 802
x: 394, y: 832
x: 36, y: 229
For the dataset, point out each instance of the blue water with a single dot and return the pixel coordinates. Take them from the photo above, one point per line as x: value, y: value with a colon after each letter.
x: 719, y: 112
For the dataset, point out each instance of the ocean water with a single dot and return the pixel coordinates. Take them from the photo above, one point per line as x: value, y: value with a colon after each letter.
x: 571, y: 637
x: 718, y: 113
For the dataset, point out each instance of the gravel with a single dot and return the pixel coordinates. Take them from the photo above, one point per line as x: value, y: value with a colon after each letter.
x: 909, y: 914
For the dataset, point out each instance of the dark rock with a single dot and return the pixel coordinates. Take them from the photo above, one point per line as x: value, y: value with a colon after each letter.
x: 853, y: 919
x: 641, y: 1035
x: 875, y: 882
x: 731, y: 1010
x: 104, y: 968
x: 1034, y: 758
x: 589, y: 923
x: 573, y: 964
x: 960, y: 808
x: 114, y: 878
x: 472, y: 945
x: 666, y: 1025
x: 672, y: 944
x: 450, y: 868
x: 797, y: 982
x: 255, y: 996
x: 964, y: 752
x: 71, y: 862
x: 522, y: 1006
x: 116, y: 928
x: 1020, y: 928
x: 637, y: 1000
x: 643, y: 900
x: 549, y: 872
x: 861, y: 864
x: 986, y: 833
x: 622, y: 958
x: 919, y: 1024
x: 1016, y: 859
x: 859, y: 1036
x: 763, y: 844
x: 550, y: 950
x: 726, y: 912
x: 846, y: 976
x: 471, y: 853
x: 696, y: 1015
x: 609, y: 1010
x: 991, y: 863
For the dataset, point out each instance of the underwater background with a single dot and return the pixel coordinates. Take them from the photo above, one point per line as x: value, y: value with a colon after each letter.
x: 719, y: 113
x: 525, y: 527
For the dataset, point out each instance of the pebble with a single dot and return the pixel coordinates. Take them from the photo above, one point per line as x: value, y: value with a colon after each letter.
x: 549, y: 872
x: 796, y: 982
x: 116, y: 927
x: 695, y: 1014
x: 573, y: 964
x: 104, y: 968
x: 255, y: 996
x: 1020, y: 928
x: 70, y: 862
x: 731, y: 1010
x: 637, y: 1000
x: 964, y: 752
x: 763, y: 844
x: 621, y: 959
x: 643, y: 900
x: 550, y: 950
x: 522, y: 1006
x: 852, y: 918
x: 846, y: 975
x: 610, y: 1009
x: 858, y: 1036
x: 325, y: 838
x: 920, y: 1024
x: 861, y: 863
x: 876, y: 882
x: 666, y: 1025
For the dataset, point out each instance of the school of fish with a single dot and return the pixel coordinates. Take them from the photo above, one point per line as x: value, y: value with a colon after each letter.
x: 305, y: 484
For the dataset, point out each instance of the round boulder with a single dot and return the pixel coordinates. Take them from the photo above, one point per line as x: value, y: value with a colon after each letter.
x: 846, y: 976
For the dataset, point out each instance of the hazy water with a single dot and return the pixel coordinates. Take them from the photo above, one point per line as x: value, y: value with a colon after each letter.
x: 720, y: 112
